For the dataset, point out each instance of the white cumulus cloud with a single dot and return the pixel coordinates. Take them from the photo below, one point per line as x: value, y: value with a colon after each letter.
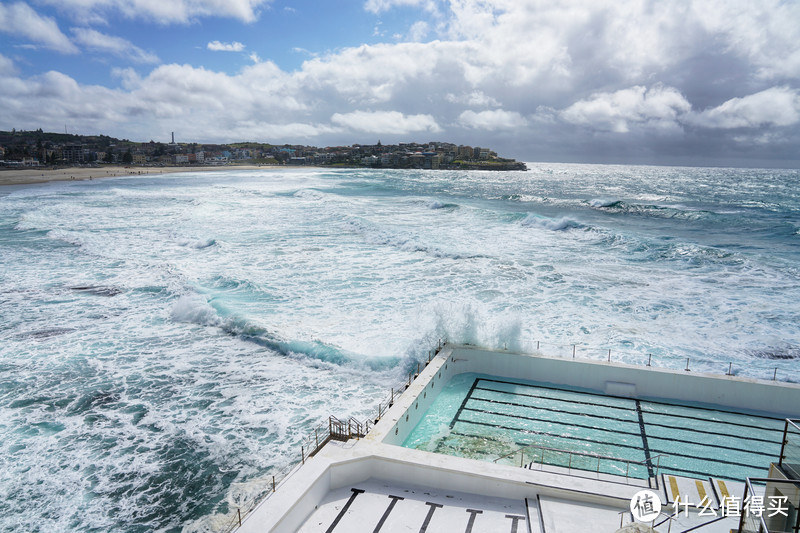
x: 95, y: 40
x: 217, y: 46
x: 379, y: 6
x: 21, y: 19
x: 391, y: 122
x: 165, y: 12
x: 491, y: 120
x: 658, y: 107
x: 777, y: 106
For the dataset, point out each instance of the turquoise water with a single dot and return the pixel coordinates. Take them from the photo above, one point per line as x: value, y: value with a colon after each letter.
x: 166, y: 341
x: 488, y: 418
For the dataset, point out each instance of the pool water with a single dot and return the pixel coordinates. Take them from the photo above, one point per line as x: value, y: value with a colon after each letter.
x: 489, y: 418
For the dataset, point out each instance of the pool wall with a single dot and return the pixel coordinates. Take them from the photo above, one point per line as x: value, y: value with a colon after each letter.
x: 617, y: 379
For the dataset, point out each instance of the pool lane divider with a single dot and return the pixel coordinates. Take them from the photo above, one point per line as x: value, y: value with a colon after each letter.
x: 761, y: 417
x: 645, y: 446
x: 464, y: 403
x: 341, y: 514
x: 596, y: 428
x: 616, y: 419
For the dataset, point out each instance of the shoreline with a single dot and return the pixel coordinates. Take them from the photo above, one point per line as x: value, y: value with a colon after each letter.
x: 45, y: 175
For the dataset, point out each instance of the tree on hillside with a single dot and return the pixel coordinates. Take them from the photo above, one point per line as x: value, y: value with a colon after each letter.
x: 127, y: 158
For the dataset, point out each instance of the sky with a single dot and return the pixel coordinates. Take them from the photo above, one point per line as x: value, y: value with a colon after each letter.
x: 685, y: 82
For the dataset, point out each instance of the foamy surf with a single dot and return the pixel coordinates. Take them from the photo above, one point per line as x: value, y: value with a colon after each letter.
x: 167, y: 341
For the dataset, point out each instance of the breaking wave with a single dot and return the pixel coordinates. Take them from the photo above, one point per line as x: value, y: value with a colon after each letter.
x: 678, y: 212
x: 560, y: 224
x: 197, y: 244
x: 195, y: 309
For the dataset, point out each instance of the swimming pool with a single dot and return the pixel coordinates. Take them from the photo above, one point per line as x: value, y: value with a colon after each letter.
x: 489, y: 418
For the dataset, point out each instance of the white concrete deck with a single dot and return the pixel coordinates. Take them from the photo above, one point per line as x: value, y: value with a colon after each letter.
x: 386, y: 507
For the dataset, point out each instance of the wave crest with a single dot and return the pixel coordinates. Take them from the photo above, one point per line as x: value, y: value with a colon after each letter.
x: 561, y: 224
x: 194, y: 309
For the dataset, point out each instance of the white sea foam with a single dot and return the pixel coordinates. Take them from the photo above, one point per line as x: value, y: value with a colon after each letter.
x: 248, y: 306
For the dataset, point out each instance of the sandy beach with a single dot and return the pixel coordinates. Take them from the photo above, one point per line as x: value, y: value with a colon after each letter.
x: 43, y: 175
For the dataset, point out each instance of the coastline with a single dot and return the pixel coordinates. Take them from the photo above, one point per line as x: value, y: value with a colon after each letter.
x: 45, y: 175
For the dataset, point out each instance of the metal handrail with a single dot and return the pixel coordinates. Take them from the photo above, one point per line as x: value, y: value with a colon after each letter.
x: 748, y: 487
x: 628, y: 462
x: 785, y: 441
x: 579, y: 350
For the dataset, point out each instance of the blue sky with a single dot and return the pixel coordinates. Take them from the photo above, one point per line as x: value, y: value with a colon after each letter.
x: 629, y: 81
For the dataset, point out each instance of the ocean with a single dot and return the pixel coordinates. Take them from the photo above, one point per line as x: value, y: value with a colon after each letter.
x: 167, y: 341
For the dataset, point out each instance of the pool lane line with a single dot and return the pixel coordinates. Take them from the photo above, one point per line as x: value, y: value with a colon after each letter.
x: 548, y: 434
x: 651, y: 424
x: 581, y: 439
x: 641, y: 431
x: 650, y: 401
x: 563, y: 400
x: 341, y: 514
x: 593, y: 394
x: 428, y: 518
x: 647, y: 457
x: 645, y: 411
x: 387, y: 512
x: 706, y: 420
x: 461, y: 408
x: 471, y: 522
x: 666, y: 469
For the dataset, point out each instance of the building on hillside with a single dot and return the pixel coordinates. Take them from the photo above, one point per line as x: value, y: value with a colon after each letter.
x: 73, y: 153
x: 465, y: 152
x: 431, y: 160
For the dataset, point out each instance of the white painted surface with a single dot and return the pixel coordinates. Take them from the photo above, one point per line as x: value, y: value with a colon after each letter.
x: 409, y: 514
x: 569, y: 516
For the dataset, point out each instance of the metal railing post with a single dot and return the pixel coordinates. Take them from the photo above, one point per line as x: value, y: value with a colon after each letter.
x: 783, y: 441
x: 573, y: 351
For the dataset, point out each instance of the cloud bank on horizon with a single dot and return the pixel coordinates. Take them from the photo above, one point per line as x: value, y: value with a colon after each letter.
x: 683, y: 81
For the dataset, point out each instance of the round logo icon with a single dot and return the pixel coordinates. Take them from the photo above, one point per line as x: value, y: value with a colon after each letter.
x: 645, y: 506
